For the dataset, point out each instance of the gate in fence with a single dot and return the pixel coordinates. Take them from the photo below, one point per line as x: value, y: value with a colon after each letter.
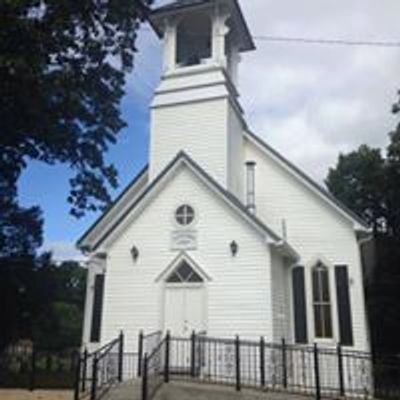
x: 309, y: 370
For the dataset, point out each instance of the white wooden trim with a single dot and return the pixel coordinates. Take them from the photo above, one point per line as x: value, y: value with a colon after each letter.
x: 183, y: 256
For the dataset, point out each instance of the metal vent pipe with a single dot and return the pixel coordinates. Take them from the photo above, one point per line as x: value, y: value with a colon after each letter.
x: 250, y: 186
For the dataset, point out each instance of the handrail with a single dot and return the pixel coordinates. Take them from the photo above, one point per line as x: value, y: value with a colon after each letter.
x: 103, y: 348
x: 107, y: 350
x: 155, y: 333
x: 156, y: 349
x: 94, y: 368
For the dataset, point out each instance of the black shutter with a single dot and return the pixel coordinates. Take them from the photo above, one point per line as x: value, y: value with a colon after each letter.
x: 299, y: 305
x: 97, y: 310
x: 344, y: 305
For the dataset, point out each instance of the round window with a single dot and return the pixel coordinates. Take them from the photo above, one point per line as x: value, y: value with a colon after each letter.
x: 184, y: 215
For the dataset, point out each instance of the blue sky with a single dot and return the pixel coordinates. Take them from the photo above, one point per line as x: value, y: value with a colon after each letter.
x: 309, y: 102
x: 48, y: 187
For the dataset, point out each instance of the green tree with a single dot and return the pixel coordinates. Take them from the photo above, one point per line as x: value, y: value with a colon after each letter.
x: 358, y: 181
x: 393, y: 179
x: 20, y: 228
x: 59, y: 322
x: 63, y: 65
x: 369, y: 184
x: 42, y: 301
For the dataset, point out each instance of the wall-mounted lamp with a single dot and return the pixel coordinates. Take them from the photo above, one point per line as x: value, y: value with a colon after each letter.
x: 234, y: 248
x: 134, y: 253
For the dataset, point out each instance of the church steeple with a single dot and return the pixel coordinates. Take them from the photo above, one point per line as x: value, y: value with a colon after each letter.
x: 202, y: 32
x: 195, y: 107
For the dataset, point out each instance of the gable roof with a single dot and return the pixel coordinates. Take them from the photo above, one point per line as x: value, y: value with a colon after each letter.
x: 113, y: 205
x: 228, y: 197
x: 304, y: 178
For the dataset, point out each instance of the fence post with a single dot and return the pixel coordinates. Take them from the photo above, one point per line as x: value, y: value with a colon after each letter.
x: 121, y: 357
x: 340, y: 370
x: 77, y: 377
x: 33, y: 369
x: 316, y: 372
x: 262, y: 361
x: 93, y: 393
x: 237, y: 362
x: 166, y: 365
x: 284, y: 364
x: 144, y: 378
x: 193, y: 355
x: 140, y: 354
x: 84, y: 370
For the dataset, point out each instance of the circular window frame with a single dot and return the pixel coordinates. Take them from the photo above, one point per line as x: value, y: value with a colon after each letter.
x: 189, y: 225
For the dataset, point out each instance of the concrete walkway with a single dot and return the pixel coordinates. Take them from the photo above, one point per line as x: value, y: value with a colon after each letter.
x: 177, y: 390
x: 130, y: 390
x: 195, y: 391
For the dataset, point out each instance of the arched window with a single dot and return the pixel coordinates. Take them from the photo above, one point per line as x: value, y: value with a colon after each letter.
x: 193, y: 40
x: 322, y: 302
x: 184, y: 273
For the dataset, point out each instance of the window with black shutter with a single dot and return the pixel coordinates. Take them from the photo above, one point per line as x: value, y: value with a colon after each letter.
x: 97, y: 310
x: 322, y: 302
x: 344, y: 305
x: 299, y: 305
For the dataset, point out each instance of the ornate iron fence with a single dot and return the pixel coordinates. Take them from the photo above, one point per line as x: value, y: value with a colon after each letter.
x: 30, y: 367
x: 321, y: 372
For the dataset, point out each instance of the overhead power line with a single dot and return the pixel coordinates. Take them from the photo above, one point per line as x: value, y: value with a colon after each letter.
x: 321, y: 41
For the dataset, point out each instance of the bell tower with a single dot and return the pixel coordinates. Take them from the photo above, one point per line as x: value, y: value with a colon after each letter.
x: 196, y: 107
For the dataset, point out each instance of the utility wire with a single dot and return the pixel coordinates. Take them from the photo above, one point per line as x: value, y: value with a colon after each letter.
x: 334, y: 42
x: 318, y: 41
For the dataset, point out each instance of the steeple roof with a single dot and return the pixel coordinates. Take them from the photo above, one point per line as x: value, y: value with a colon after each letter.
x: 246, y: 42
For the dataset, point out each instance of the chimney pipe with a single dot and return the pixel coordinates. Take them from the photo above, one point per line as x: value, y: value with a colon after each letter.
x: 250, y: 183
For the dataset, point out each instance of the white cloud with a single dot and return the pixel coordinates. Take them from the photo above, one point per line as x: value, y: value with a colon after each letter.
x: 63, y: 251
x: 312, y: 101
x: 309, y: 101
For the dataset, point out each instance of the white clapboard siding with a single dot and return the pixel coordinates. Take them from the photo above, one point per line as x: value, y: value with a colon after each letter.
x: 238, y: 294
x: 200, y: 129
x: 315, y: 230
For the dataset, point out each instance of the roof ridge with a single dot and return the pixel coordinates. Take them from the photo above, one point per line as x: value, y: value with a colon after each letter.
x: 309, y: 180
x: 230, y: 197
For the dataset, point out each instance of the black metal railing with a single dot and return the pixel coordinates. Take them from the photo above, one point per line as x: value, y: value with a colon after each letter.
x: 32, y: 367
x: 321, y: 372
x: 96, y: 372
x: 155, y: 369
x: 147, y: 343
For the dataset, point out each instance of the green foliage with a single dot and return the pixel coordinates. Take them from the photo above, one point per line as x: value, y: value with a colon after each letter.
x: 393, y: 171
x: 62, y: 74
x: 369, y: 184
x: 42, y: 301
x: 20, y: 228
x: 358, y: 181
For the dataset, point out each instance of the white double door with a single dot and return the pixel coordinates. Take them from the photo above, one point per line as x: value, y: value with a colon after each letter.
x: 184, y: 309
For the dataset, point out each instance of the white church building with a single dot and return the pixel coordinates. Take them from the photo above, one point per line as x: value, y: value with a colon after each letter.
x: 219, y: 232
